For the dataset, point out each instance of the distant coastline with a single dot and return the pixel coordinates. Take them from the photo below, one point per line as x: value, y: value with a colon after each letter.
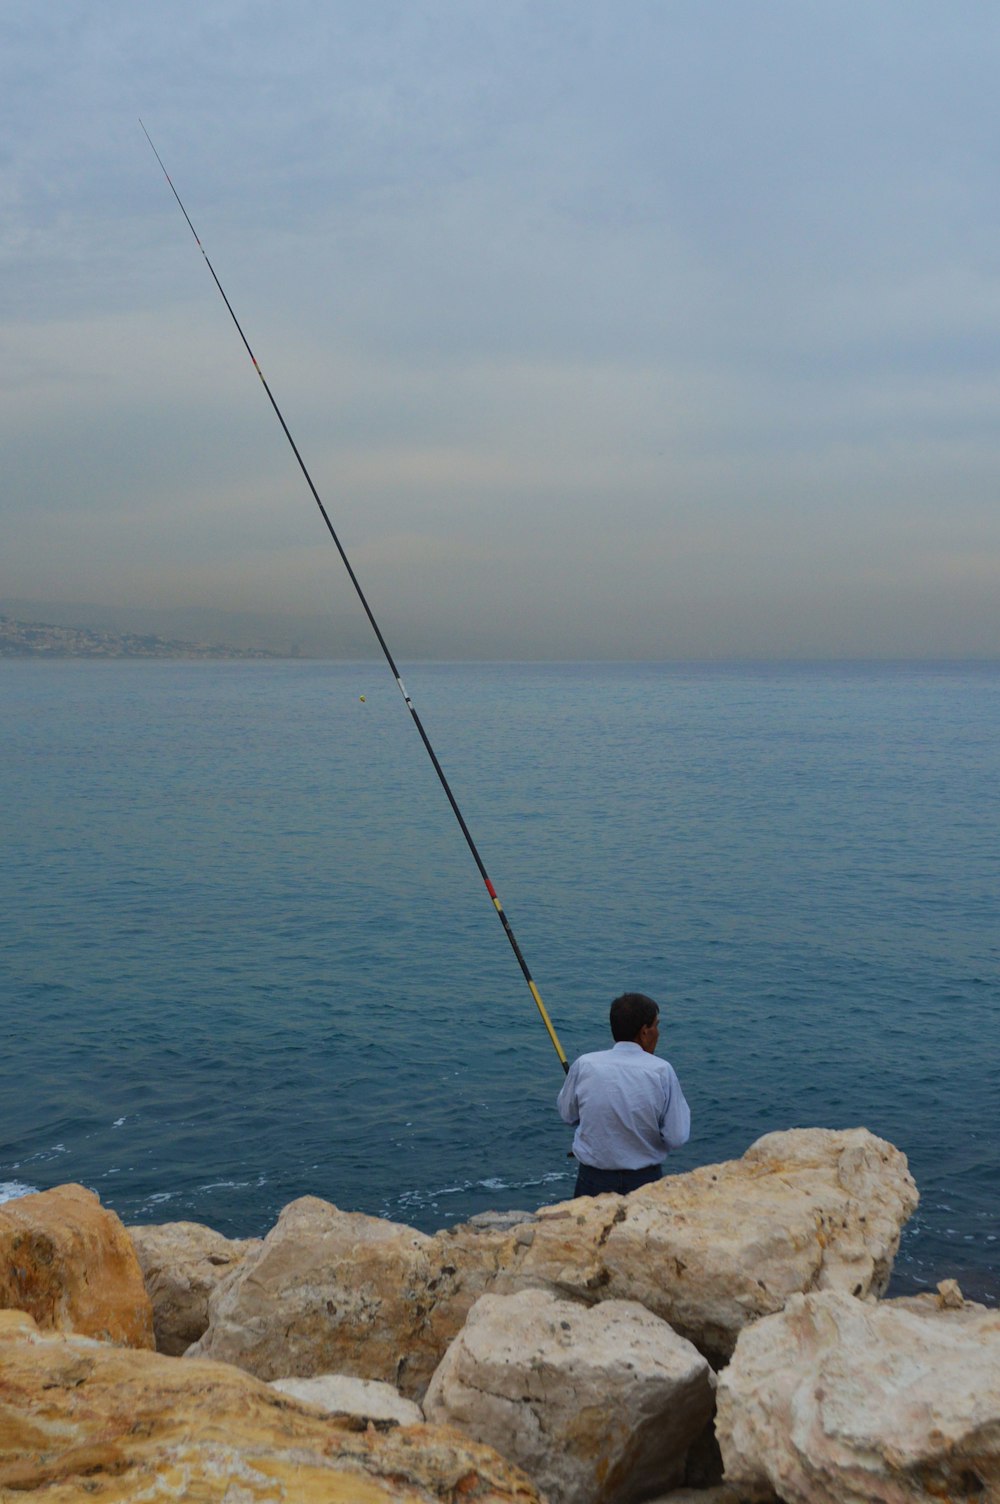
x: 26, y: 639
x: 65, y: 629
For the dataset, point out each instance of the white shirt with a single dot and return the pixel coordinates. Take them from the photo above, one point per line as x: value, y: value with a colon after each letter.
x: 628, y: 1107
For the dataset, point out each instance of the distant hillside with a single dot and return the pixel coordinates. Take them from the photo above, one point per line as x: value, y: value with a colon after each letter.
x: 339, y: 633
x: 23, y: 639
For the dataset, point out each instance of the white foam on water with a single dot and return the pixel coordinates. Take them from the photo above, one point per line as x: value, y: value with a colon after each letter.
x: 41, y: 1155
x: 157, y: 1198
x: 11, y: 1190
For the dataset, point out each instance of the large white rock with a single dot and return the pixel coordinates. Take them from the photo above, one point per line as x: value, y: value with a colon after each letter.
x: 365, y: 1399
x: 598, y: 1405
x: 717, y: 1248
x: 834, y: 1401
x: 329, y: 1292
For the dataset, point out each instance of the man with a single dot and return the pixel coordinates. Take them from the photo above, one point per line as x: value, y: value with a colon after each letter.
x: 627, y: 1106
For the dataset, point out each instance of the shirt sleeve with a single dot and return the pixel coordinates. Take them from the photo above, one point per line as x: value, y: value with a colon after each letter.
x: 569, y: 1108
x: 675, y: 1121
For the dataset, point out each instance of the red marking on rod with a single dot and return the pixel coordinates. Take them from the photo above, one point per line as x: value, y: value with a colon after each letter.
x: 491, y: 890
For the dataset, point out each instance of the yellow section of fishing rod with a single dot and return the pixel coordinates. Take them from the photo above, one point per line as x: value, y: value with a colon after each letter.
x: 495, y: 899
x: 546, y: 1020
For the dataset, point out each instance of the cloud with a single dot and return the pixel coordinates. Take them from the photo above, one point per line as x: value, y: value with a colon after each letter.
x: 664, y: 332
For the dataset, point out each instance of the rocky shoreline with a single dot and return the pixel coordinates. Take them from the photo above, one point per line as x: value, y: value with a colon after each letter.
x: 721, y: 1336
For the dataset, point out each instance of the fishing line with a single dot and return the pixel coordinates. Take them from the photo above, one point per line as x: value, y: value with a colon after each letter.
x: 378, y: 633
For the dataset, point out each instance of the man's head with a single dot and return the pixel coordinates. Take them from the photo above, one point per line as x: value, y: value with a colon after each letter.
x: 635, y: 1019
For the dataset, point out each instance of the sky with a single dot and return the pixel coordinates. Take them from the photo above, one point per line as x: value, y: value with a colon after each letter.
x: 606, y: 328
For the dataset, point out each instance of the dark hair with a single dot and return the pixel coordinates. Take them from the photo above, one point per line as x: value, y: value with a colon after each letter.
x: 630, y: 1013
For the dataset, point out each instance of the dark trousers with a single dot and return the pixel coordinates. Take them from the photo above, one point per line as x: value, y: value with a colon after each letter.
x: 593, y: 1182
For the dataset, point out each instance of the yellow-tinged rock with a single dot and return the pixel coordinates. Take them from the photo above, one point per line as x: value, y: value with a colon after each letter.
x: 70, y: 1263
x: 329, y: 1292
x: 83, y: 1421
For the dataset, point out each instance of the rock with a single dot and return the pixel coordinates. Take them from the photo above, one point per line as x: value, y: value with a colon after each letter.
x: 598, y: 1405
x: 329, y: 1292
x: 367, y: 1399
x: 182, y: 1262
x: 498, y: 1221
x: 70, y: 1263
x: 337, y: 1292
x: 950, y: 1296
x: 82, y: 1420
x: 834, y: 1401
x: 717, y: 1248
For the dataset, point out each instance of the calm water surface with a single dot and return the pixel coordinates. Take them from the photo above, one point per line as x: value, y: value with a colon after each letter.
x: 247, y: 955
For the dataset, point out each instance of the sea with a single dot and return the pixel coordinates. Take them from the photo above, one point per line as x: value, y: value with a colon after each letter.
x: 247, y: 955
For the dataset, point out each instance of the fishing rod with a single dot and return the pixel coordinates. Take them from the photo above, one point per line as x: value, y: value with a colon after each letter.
x: 378, y: 633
